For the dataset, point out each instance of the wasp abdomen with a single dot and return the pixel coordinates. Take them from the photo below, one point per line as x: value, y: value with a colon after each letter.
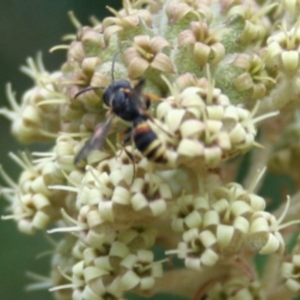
x: 148, y: 143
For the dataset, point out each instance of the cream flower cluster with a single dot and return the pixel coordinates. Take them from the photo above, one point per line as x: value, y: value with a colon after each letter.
x: 290, y: 269
x: 237, y: 289
x: 206, y: 126
x: 31, y: 121
x: 221, y: 223
x: 226, y: 77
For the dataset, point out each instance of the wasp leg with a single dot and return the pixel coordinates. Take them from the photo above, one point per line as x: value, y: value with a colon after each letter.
x: 126, y: 140
x: 130, y: 156
x: 151, y: 119
x: 125, y: 137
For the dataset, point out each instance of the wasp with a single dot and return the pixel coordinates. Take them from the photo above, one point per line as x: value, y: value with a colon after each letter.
x: 130, y: 104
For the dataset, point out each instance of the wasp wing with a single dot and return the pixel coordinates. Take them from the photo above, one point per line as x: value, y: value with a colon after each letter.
x: 142, y: 100
x: 136, y: 95
x: 96, y: 141
x: 138, y: 88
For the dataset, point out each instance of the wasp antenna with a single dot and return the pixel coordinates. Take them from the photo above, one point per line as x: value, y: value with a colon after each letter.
x: 113, y: 66
x: 89, y: 88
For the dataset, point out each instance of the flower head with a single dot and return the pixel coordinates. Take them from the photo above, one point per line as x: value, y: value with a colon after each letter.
x: 149, y: 118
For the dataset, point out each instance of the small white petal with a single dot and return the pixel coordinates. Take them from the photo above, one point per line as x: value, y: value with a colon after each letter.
x: 145, y: 256
x: 147, y: 283
x: 193, y: 220
x: 296, y: 260
x: 190, y: 235
x: 129, y: 280
x: 209, y: 258
x: 116, y: 177
x: 191, y: 128
x: 241, y: 224
x: 40, y: 220
x: 237, y: 134
x: 211, y: 218
x: 290, y: 60
x: 165, y: 191
x: 139, y: 201
x: 121, y: 195
x: 129, y: 261
x: 293, y: 285
x: 103, y: 263
x: 287, y: 269
x: 271, y: 246
x: 207, y: 238
x: 105, y: 209
x: 193, y: 263
x: 224, y: 235
x: 118, y: 249
x: 91, y: 273
x: 89, y: 294
x: 174, y: 119
x: 190, y: 148
x: 158, y: 207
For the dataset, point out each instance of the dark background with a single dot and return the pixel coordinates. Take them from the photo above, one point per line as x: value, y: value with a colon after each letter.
x: 27, y: 27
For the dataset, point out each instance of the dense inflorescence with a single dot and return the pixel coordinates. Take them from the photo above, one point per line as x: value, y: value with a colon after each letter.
x: 222, y: 71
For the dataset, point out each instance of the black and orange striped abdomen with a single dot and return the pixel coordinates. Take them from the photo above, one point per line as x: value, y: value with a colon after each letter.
x: 148, y: 143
